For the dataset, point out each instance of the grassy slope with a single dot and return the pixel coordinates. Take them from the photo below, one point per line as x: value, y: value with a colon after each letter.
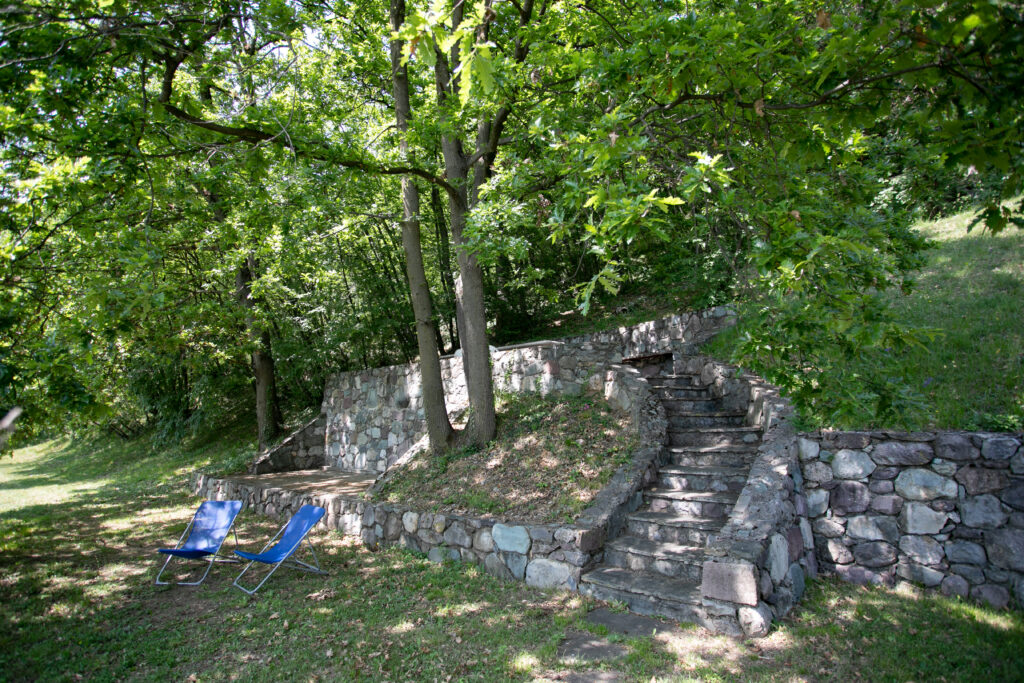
x: 972, y: 291
x: 549, y: 459
x: 76, y: 599
x: 970, y: 294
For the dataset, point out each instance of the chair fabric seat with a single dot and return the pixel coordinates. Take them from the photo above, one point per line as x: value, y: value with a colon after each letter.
x: 185, y: 553
x: 272, y: 556
x: 289, y: 538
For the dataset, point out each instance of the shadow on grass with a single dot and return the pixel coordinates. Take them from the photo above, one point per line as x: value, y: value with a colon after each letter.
x: 76, y: 599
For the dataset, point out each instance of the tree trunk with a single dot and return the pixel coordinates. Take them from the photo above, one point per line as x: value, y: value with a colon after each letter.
x: 268, y: 409
x: 444, y: 262
x: 439, y: 428
x: 476, y: 356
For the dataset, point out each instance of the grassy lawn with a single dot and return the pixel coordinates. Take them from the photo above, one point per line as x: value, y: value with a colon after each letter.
x: 972, y: 291
x: 78, y: 529
x: 550, y: 457
x: 970, y: 294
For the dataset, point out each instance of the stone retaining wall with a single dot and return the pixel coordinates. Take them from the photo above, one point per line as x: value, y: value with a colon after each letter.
x: 303, y: 449
x: 943, y: 509
x: 757, y: 564
x: 374, y: 417
x: 543, y: 555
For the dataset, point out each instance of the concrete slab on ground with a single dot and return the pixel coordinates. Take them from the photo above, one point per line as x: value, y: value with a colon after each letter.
x: 629, y: 624
x: 580, y: 646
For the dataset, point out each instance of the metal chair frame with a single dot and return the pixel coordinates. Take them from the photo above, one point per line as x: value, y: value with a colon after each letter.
x: 287, y: 561
x: 210, y: 559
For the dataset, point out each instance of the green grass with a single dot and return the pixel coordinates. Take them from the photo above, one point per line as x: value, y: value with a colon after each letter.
x: 972, y: 292
x: 79, y: 523
x: 619, y: 311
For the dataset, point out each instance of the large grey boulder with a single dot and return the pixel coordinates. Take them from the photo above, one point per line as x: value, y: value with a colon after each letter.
x: 513, y: 539
x: 873, y: 528
x: 922, y: 484
x: 543, y: 573
x: 918, y: 518
x: 900, y: 453
x: 874, y: 554
x: 983, y: 512
x: 922, y: 549
x: 1005, y: 548
x: 730, y: 581
x: 850, y: 464
x: 850, y: 497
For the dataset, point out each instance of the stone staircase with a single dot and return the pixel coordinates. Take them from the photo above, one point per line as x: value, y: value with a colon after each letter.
x: 654, y: 566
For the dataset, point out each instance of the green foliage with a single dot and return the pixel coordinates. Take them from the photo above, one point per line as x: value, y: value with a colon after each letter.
x: 768, y: 153
x: 966, y: 372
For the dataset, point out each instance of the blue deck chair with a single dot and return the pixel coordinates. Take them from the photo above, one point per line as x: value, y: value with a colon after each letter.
x: 292, y: 534
x: 203, y: 537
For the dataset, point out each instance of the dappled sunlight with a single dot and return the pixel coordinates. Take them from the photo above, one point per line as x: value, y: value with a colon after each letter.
x: 86, y: 573
x: 524, y: 662
x: 401, y: 628
x: 526, y: 441
x: 48, y: 494
x: 462, y: 610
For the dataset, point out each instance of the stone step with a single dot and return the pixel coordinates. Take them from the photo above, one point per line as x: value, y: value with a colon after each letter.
x: 645, y: 555
x: 708, y: 504
x: 676, y: 381
x: 690, y: 393
x: 702, y: 478
x: 675, y: 406
x: 687, y: 420
x: 720, y: 458
x: 646, y: 593
x: 714, y: 436
x: 672, y: 527
x: 712, y: 456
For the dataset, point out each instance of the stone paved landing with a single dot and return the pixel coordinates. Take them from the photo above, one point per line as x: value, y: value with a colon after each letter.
x: 281, y: 494
x: 316, y: 482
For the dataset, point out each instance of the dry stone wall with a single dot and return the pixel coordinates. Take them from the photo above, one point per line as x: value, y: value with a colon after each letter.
x: 542, y: 555
x: 375, y: 417
x: 303, y: 449
x: 943, y: 509
x: 371, y: 419
x: 758, y: 563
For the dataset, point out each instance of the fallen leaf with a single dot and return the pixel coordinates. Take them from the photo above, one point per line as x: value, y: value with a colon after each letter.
x: 321, y: 594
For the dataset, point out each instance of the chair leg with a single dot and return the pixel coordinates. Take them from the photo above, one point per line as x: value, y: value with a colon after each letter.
x: 166, y: 562
x: 209, y: 565
x: 260, y: 584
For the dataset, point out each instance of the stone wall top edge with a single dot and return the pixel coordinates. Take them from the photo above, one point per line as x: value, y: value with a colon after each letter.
x: 902, y: 435
x: 715, y: 312
x: 199, y: 478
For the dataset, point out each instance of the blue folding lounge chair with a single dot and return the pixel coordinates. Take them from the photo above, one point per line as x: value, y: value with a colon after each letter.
x: 203, y: 537
x: 292, y: 535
